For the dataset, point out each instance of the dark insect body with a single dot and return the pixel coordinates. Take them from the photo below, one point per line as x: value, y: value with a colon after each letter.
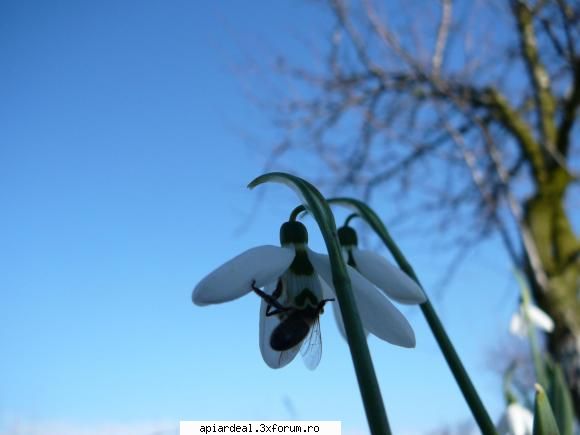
x: 296, y: 323
x: 294, y: 328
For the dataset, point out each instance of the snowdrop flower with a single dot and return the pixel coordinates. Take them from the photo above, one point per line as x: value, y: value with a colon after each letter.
x: 292, y: 277
x: 516, y: 420
x: 535, y: 317
x: 393, y: 282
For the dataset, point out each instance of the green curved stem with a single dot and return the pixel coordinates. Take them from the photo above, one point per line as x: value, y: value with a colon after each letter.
x: 451, y: 357
x: 363, y: 365
x: 296, y: 212
x: 350, y: 217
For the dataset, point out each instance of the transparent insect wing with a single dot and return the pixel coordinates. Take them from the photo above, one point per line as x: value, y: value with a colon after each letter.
x: 311, y: 348
x: 273, y: 358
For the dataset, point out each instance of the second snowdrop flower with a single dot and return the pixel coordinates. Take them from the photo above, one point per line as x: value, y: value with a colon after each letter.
x: 516, y: 420
x: 390, y: 279
x: 530, y: 316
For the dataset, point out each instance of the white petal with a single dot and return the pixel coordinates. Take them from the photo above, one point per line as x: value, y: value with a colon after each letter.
x: 520, y: 420
x: 540, y: 318
x: 328, y: 293
x: 377, y: 313
x: 395, y: 283
x: 273, y: 358
x: 264, y: 264
x: 518, y: 326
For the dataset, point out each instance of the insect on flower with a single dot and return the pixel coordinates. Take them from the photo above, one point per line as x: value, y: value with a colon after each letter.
x: 298, y: 327
x: 294, y: 283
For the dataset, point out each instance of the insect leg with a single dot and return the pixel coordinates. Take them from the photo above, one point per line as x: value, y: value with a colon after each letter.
x: 320, y: 307
x: 278, y: 290
x: 272, y: 302
x: 323, y: 301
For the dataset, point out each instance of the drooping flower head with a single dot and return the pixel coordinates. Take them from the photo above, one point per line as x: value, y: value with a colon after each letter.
x: 529, y: 315
x: 290, y: 280
x: 516, y: 420
x: 391, y: 280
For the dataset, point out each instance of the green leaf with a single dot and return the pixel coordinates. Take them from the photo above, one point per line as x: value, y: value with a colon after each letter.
x: 560, y: 399
x: 549, y: 374
x: 320, y: 210
x: 544, y: 421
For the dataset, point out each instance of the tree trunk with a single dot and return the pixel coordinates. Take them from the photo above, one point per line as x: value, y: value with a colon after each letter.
x: 559, y: 252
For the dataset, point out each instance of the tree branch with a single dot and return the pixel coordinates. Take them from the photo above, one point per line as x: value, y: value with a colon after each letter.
x: 442, y: 36
x: 537, y: 72
x: 569, y: 112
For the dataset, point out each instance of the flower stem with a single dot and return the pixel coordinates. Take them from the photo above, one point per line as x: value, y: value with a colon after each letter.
x: 453, y: 361
x: 508, y: 393
x: 296, y: 212
x: 539, y: 364
x: 363, y: 365
x: 461, y: 377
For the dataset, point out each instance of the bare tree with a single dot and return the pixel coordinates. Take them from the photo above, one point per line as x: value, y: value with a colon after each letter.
x: 474, y: 105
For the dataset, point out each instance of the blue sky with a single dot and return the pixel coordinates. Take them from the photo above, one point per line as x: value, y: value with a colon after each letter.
x: 122, y: 183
